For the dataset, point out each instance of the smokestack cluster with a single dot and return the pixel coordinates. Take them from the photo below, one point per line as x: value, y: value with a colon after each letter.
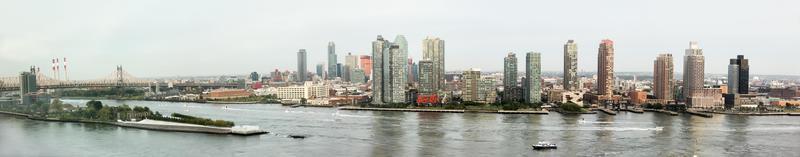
x: 57, y: 68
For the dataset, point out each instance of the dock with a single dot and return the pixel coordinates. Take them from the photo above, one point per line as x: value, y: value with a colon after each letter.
x: 607, y: 111
x: 634, y: 110
x: 701, y: 114
x: 662, y: 111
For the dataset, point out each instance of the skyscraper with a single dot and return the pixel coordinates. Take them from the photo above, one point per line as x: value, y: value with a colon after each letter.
x: 605, y: 68
x: 399, y: 69
x: 733, y: 76
x: 744, y: 75
x: 379, y: 53
x: 332, y: 70
x: 510, y: 71
x: 571, y: 66
x: 426, y: 77
x: 321, y: 70
x: 301, y: 65
x: 511, y: 92
x: 693, y: 70
x: 663, y: 76
x: 533, y: 72
x: 433, y: 50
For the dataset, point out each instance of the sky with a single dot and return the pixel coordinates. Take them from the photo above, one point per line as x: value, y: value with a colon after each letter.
x: 156, y: 38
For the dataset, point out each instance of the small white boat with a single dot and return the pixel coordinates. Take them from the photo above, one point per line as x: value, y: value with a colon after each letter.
x: 544, y: 145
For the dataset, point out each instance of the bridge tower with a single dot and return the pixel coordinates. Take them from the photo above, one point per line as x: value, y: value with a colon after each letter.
x: 119, y: 74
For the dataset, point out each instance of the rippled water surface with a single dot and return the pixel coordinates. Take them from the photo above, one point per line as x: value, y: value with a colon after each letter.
x: 369, y: 133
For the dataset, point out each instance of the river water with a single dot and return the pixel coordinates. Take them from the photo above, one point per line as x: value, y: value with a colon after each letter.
x: 370, y: 133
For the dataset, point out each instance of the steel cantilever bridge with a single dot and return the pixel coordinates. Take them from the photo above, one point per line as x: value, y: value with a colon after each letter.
x: 118, y: 78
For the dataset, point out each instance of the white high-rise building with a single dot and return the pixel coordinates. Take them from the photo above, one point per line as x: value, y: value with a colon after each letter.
x: 399, y: 69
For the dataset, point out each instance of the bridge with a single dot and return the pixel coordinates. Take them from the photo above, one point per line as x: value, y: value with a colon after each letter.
x: 118, y: 78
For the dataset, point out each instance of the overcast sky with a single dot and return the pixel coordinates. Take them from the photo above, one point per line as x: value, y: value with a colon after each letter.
x: 153, y: 38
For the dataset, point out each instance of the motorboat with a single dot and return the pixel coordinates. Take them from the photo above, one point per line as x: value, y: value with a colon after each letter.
x: 544, y: 145
x: 297, y: 136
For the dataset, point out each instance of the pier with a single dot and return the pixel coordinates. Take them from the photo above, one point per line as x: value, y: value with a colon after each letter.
x: 634, y: 110
x: 662, y: 111
x: 607, y: 111
x: 701, y: 114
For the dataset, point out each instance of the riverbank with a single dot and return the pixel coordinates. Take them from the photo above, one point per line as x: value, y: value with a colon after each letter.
x: 443, y: 110
x: 756, y: 113
x: 157, y: 125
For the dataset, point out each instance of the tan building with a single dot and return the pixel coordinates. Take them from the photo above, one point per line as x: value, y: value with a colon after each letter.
x: 605, y: 68
x: 471, y: 79
x: 663, y: 77
x: 706, y: 98
x: 693, y: 70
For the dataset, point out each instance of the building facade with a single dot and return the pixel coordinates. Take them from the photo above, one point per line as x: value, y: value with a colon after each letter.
x: 486, y: 90
x: 320, y: 70
x: 469, y: 92
x: 302, y: 70
x: 399, y: 69
x: 533, y: 78
x: 380, y: 53
x: 571, y: 66
x: 433, y: 50
x: 693, y: 70
x: 366, y: 64
x: 427, y: 77
x: 332, y: 70
x: 663, y: 77
x: 510, y: 71
x: 605, y: 68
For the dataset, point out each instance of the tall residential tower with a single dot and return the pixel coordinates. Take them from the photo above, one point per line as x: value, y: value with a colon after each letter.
x: 571, y: 66
x: 693, y: 70
x: 433, y: 50
x: 663, y: 77
x: 605, y: 68
x: 533, y: 78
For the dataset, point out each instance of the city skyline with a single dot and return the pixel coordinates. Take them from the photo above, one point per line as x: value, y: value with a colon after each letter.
x: 98, y: 38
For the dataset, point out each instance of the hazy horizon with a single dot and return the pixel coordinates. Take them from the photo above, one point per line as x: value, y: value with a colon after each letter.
x: 196, y: 38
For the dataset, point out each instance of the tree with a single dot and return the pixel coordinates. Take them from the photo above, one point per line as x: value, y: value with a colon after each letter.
x: 94, y: 105
x: 303, y: 101
x: 571, y: 107
x: 105, y: 114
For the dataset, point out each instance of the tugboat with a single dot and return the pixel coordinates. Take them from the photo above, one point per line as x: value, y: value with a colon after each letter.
x: 544, y: 145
